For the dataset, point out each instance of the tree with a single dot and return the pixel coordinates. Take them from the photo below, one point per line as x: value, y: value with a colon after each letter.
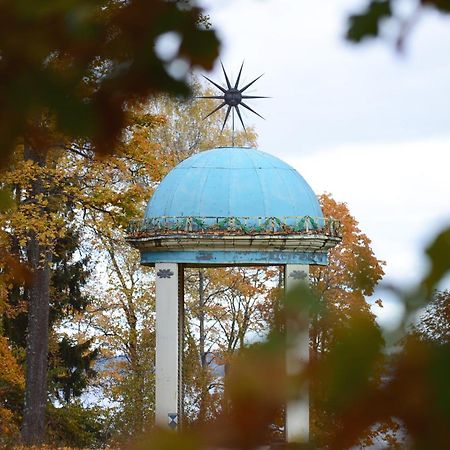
x: 340, y: 314
x: 51, y: 190
x: 38, y: 242
x: 234, y: 305
x: 70, y: 362
x: 352, y: 273
x: 42, y: 225
x: 75, y: 426
x: 121, y: 319
x: 225, y: 308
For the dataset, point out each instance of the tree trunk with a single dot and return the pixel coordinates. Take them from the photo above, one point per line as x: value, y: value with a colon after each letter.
x: 201, y: 317
x: 33, y: 428
x: 136, y: 368
x: 39, y: 257
x: 204, y: 393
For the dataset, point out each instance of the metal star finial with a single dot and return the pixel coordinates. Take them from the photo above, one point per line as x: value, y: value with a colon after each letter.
x: 232, y: 97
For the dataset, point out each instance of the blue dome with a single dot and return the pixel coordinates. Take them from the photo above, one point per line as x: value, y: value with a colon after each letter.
x: 233, y: 182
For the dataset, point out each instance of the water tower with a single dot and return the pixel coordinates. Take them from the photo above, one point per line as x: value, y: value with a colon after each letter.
x: 227, y: 207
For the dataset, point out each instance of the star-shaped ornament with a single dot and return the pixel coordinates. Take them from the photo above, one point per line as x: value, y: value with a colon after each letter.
x: 232, y: 96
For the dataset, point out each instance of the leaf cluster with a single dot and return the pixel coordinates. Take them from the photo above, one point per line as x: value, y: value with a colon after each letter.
x: 82, y: 63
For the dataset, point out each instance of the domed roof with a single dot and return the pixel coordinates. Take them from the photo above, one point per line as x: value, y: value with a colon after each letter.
x: 233, y: 182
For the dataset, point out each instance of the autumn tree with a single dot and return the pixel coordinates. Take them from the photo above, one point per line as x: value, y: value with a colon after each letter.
x: 33, y: 229
x: 232, y: 305
x: 351, y: 275
x: 121, y: 319
x: 12, y: 380
x: 340, y: 313
x: 35, y: 225
x: 52, y: 190
x: 226, y: 308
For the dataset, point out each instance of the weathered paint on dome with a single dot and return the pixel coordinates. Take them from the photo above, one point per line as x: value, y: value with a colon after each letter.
x: 234, y: 206
x: 233, y: 182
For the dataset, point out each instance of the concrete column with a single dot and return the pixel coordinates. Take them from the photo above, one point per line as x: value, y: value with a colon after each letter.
x: 297, y: 356
x: 169, y: 340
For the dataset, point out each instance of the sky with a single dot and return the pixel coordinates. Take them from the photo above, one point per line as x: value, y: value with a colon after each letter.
x: 365, y: 123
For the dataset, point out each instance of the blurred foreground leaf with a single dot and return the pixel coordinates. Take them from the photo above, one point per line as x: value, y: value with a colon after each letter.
x: 402, y: 16
x: 75, y: 66
x: 367, y: 23
x: 439, y: 254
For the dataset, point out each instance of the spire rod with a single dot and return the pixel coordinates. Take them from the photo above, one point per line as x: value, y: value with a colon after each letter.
x: 232, y: 128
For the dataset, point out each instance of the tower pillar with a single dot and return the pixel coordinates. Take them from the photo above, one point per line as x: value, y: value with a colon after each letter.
x: 169, y: 344
x: 297, y: 357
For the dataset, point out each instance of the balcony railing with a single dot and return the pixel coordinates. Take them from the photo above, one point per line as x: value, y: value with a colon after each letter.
x: 234, y: 225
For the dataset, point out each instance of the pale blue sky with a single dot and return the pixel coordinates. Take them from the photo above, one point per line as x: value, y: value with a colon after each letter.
x: 326, y: 91
x: 364, y: 123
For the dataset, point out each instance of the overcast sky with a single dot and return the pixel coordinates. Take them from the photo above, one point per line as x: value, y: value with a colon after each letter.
x: 363, y: 123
